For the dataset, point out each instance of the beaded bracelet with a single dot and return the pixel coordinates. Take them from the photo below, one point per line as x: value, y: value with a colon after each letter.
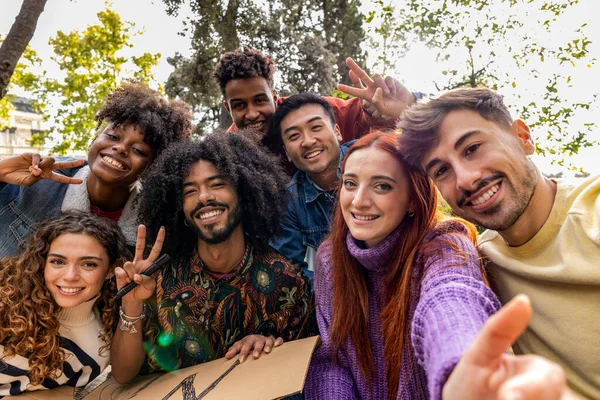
x: 128, y: 321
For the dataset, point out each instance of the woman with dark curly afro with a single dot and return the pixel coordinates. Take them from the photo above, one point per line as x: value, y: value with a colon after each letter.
x: 56, y: 304
x: 134, y: 125
x: 226, y: 292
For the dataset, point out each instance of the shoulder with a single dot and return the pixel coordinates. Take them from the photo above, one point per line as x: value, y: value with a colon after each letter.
x: 579, y: 195
x: 344, y: 147
x: 452, y: 230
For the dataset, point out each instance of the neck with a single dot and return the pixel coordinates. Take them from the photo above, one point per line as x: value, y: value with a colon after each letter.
x: 328, y: 179
x: 534, y: 216
x: 223, y: 257
x: 106, y: 197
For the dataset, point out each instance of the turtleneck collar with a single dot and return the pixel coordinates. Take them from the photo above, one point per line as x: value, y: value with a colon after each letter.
x: 78, y: 315
x: 375, y: 259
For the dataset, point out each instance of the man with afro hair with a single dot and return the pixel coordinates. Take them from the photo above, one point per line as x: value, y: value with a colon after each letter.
x: 213, y: 206
x: 134, y: 125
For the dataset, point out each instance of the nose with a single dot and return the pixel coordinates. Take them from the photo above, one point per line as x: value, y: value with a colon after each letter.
x: 308, y: 140
x: 361, y: 198
x: 204, y: 198
x: 466, y: 177
x: 120, y: 149
x: 251, y: 113
x: 71, y: 273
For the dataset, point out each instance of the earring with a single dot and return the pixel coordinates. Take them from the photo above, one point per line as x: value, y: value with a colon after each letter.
x: 411, y: 214
x: 185, y: 223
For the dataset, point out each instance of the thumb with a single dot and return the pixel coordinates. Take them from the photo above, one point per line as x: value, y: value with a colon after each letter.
x: 145, y: 281
x: 378, y: 99
x: 499, y: 332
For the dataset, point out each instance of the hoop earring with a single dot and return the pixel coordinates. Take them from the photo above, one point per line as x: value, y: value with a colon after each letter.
x: 185, y: 222
x: 411, y: 214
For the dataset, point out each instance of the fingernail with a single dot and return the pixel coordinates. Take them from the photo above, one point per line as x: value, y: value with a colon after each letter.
x: 242, y: 358
x: 513, y: 395
x: 267, y: 349
x: 256, y: 354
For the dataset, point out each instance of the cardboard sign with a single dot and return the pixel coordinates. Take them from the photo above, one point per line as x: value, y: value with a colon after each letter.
x: 277, y: 374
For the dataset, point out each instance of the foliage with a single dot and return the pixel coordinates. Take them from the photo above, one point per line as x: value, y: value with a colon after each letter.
x: 93, y: 63
x: 508, y: 45
x: 309, y: 39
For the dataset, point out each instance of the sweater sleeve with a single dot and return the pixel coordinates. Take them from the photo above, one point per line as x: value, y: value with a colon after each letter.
x: 454, y: 303
x: 326, y: 380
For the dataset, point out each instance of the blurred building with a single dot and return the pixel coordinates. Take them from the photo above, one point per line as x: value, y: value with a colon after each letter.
x: 23, y: 123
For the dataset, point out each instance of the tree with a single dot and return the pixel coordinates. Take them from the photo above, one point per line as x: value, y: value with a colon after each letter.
x: 478, y: 43
x: 92, y: 64
x: 17, y: 40
x: 310, y: 40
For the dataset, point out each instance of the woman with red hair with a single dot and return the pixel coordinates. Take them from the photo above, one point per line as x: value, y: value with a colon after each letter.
x: 400, y: 289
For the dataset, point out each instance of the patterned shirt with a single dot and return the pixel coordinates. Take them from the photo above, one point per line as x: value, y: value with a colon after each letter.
x: 200, y: 316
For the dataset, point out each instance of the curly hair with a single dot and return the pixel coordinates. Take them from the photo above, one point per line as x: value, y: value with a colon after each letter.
x: 243, y: 63
x: 256, y: 175
x: 28, y: 313
x: 162, y: 121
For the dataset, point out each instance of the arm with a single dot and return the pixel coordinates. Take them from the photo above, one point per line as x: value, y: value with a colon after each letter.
x: 453, y: 306
x: 326, y: 380
x: 127, y: 347
x: 290, y: 242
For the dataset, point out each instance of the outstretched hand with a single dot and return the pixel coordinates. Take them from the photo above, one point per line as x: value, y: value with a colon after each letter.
x: 29, y: 168
x: 132, y: 270
x: 486, y: 372
x: 253, y: 343
x: 382, y: 97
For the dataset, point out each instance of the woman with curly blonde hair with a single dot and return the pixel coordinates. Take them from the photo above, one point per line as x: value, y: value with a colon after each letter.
x: 57, y: 312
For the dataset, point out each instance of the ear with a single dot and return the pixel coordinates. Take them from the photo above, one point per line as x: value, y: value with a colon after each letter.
x: 286, y: 153
x: 226, y: 105
x: 338, y: 133
x: 521, y: 130
x: 275, y: 96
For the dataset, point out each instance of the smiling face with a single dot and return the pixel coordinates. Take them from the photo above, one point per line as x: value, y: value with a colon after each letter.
x: 77, y: 266
x: 311, y: 141
x: 210, y: 203
x: 482, y: 169
x: 374, y: 196
x: 119, y: 154
x: 251, y: 103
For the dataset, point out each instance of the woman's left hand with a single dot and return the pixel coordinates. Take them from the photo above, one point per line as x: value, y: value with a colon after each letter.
x: 256, y: 343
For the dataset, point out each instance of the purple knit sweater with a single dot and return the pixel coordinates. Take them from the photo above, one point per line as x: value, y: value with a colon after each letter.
x: 449, y: 305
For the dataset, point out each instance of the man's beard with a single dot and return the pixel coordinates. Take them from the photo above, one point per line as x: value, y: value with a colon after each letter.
x: 216, y: 236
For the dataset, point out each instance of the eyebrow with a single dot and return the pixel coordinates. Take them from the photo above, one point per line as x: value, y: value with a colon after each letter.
x: 458, y: 143
x: 255, y: 96
x: 210, y: 178
x: 82, y: 258
x: 374, y: 177
x: 308, y: 122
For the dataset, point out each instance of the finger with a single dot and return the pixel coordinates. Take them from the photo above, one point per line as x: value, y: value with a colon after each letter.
x: 233, y: 350
x: 247, y: 345
x: 129, y: 269
x: 140, y: 243
x: 499, y: 332
x: 145, y: 281
x: 269, y: 343
x: 46, y: 162
x: 352, y: 91
x: 121, y: 276
x: 35, y: 160
x: 259, y: 345
x: 378, y: 99
x: 390, y: 84
x: 65, y: 179
x: 376, y: 114
x: 355, y: 80
x: 158, y: 244
x: 536, y: 378
x: 278, y: 341
x: 67, y: 164
x: 362, y: 75
x: 380, y: 82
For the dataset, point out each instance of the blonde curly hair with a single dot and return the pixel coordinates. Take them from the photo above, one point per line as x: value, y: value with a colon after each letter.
x: 28, y: 323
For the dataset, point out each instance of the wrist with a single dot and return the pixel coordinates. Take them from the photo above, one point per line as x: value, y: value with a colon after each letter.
x: 132, y: 307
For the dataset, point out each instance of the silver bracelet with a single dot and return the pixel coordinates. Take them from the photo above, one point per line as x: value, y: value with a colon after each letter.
x: 128, y: 321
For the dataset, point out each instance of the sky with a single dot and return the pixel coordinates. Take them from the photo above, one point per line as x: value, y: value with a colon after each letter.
x: 161, y: 34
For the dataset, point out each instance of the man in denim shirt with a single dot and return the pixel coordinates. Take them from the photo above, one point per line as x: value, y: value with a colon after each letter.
x: 305, y: 126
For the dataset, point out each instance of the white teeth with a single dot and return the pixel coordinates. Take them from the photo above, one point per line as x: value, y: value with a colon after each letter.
x: 211, y: 214
x: 112, y: 161
x: 255, y: 125
x: 70, y: 290
x: 365, y: 217
x: 313, y: 154
x: 486, y: 196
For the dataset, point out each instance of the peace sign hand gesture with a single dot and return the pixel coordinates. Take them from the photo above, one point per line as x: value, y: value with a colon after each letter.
x: 132, y: 270
x: 27, y: 169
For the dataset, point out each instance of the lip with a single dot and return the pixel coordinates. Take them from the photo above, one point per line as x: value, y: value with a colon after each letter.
x: 259, y: 125
x: 489, y: 202
x: 205, y: 210
x: 68, y: 293
x: 123, y: 163
x: 322, y: 150
x: 357, y: 221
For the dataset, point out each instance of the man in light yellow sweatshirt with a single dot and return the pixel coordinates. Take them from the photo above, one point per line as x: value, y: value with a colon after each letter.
x: 543, y: 235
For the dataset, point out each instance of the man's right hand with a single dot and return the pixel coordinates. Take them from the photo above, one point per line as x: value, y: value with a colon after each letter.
x: 26, y: 169
x: 132, y: 270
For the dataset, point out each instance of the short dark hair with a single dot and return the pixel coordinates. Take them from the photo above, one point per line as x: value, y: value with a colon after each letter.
x: 256, y: 175
x: 162, y: 121
x: 290, y: 104
x: 244, y: 63
x: 421, y: 122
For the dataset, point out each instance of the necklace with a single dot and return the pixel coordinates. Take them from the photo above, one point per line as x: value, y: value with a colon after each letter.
x: 217, y: 276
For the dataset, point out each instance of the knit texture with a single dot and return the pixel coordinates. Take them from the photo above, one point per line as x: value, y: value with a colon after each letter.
x: 449, y: 305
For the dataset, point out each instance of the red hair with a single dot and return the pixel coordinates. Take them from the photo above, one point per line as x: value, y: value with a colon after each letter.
x: 350, y: 295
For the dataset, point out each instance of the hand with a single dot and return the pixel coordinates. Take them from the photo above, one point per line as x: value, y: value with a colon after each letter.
x: 486, y: 372
x: 367, y: 106
x: 132, y: 269
x: 250, y: 342
x: 389, y: 97
x: 26, y: 169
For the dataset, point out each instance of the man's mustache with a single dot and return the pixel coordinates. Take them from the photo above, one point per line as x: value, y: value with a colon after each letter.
x: 208, y: 204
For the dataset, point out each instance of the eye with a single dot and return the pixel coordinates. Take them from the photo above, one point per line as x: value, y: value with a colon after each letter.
x: 111, y: 136
x: 441, y: 171
x: 348, y: 184
x: 472, y: 148
x: 383, y: 186
x: 217, y: 185
x: 260, y: 101
x: 293, y: 137
x: 238, y: 106
x: 139, y: 152
x: 188, y: 191
x: 89, y: 265
x: 316, y: 127
x: 56, y: 261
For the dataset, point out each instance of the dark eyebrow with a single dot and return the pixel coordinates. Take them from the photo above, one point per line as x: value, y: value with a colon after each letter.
x: 308, y: 122
x: 210, y: 178
x: 374, y: 177
x: 82, y: 258
x: 458, y: 143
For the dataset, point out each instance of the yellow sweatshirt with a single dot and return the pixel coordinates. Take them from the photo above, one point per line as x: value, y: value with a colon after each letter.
x: 559, y: 269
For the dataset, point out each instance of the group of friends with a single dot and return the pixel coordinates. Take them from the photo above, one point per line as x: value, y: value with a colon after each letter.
x: 309, y: 216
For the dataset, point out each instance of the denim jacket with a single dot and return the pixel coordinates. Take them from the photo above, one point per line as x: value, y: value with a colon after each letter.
x: 21, y: 208
x: 308, y: 218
